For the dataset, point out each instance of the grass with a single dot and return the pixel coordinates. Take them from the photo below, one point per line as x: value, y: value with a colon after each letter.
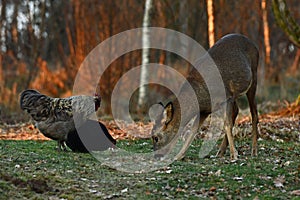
x: 35, y: 170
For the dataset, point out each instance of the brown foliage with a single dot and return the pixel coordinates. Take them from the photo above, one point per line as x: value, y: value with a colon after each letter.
x: 272, y: 123
x: 52, y: 82
x: 291, y: 110
x: 55, y: 37
x: 26, y: 131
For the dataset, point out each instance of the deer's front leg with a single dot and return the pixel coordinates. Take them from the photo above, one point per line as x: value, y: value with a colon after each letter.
x: 228, y: 128
x: 223, y: 147
x: 190, y: 137
x: 224, y: 144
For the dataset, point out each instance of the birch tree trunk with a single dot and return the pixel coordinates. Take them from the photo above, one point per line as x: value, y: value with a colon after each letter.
x: 145, y: 55
x: 2, y: 30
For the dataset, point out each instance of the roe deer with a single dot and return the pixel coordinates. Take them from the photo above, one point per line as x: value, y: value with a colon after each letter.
x: 236, y: 58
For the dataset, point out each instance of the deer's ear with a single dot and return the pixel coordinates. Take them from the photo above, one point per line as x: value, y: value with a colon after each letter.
x: 156, y: 112
x: 168, y: 113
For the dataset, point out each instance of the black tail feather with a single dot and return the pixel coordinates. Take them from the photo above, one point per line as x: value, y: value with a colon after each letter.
x: 90, y: 137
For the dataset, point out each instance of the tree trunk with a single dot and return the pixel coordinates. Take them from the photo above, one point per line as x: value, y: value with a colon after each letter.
x: 2, y: 30
x: 184, y: 20
x: 289, y: 26
x: 266, y: 32
x: 210, y: 19
x: 295, y: 65
x: 1, y: 77
x: 286, y: 21
x: 145, y: 56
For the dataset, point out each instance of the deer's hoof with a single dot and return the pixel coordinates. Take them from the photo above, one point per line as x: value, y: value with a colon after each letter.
x: 254, y: 153
x: 234, y: 155
x: 221, y: 153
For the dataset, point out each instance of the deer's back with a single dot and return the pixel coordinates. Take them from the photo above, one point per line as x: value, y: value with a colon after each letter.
x: 236, y: 57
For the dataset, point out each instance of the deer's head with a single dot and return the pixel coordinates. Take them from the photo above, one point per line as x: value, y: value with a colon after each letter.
x: 164, y: 130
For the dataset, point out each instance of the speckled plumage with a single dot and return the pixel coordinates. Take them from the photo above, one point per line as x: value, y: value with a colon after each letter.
x: 55, y: 117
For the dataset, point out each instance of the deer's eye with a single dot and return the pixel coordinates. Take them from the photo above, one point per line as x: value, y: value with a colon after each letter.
x: 155, y: 139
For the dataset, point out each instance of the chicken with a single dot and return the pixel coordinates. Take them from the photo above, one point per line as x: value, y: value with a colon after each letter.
x: 91, y: 136
x: 55, y: 117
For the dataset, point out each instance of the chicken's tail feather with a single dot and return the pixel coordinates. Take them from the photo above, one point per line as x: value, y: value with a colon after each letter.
x: 35, y: 103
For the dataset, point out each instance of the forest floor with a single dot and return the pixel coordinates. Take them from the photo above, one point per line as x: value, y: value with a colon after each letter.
x: 286, y: 119
x: 31, y: 168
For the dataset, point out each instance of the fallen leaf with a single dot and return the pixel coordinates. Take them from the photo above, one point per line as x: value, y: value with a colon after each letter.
x: 212, y: 189
x: 92, y: 191
x: 265, y: 177
x: 295, y: 192
x: 124, y: 190
x: 279, y: 181
x: 287, y: 163
x: 218, y: 173
x: 180, y: 190
x: 238, y: 178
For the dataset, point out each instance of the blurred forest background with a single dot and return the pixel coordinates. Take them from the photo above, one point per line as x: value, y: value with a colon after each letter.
x: 43, y: 42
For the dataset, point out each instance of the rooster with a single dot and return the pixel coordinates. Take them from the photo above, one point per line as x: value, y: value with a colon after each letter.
x: 55, y: 117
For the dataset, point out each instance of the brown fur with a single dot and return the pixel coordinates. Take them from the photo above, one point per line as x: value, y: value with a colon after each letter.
x: 237, y: 59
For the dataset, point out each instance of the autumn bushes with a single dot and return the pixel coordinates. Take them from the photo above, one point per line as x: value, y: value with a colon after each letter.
x: 42, y: 78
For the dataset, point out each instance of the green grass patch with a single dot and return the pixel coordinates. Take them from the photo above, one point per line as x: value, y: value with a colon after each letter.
x: 35, y: 170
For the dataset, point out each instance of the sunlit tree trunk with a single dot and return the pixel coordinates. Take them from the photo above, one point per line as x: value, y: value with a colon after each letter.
x: 145, y: 55
x: 266, y: 32
x: 210, y: 17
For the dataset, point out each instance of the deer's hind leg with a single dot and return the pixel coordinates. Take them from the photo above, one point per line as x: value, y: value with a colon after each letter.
x: 254, y: 116
x: 224, y: 144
